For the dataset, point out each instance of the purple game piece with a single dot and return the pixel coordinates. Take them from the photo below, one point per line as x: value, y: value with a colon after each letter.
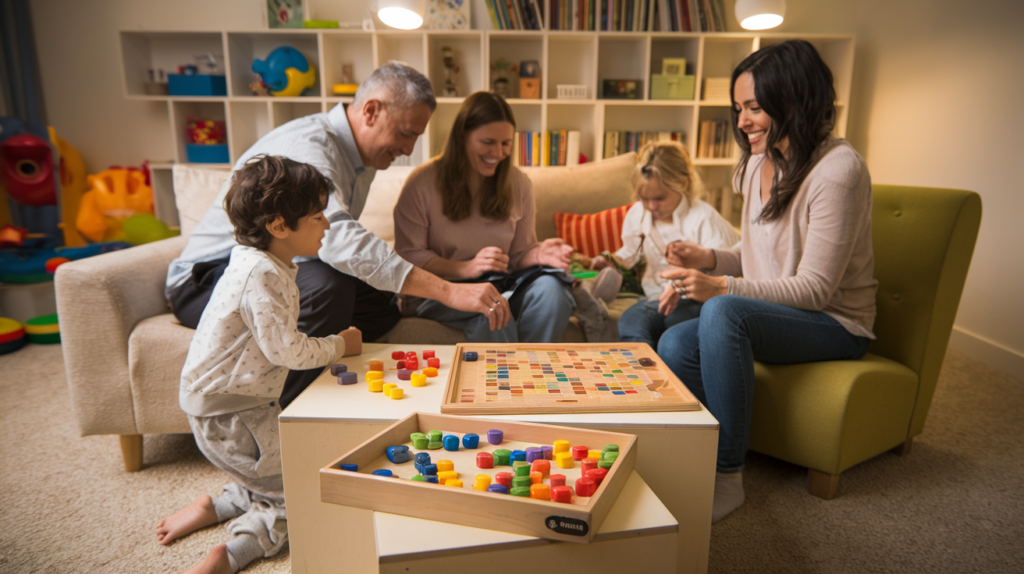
x: 338, y: 369
x: 404, y: 374
x: 345, y: 378
x: 534, y: 453
x: 493, y: 436
x: 549, y: 452
x: 499, y: 488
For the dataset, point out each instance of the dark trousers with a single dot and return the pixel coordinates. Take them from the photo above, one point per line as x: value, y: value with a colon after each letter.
x: 329, y: 302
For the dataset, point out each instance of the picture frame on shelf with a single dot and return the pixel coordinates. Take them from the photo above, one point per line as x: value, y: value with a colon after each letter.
x: 621, y: 89
x: 284, y: 14
x: 447, y: 15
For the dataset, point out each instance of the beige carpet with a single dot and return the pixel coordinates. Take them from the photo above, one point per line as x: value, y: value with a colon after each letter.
x: 955, y: 504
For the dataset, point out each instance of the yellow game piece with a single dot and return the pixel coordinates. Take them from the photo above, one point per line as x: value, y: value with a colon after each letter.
x: 376, y: 386
x: 387, y: 388
x: 452, y: 482
x: 396, y: 393
x: 376, y: 366
x: 564, y: 460
x: 418, y: 380
x: 540, y: 491
x: 482, y: 482
x: 374, y: 375
x: 536, y: 477
x: 561, y: 446
x: 446, y: 475
x: 430, y: 372
x: 598, y: 454
x: 443, y: 465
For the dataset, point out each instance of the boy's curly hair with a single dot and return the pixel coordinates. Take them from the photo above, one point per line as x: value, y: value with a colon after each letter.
x: 268, y: 186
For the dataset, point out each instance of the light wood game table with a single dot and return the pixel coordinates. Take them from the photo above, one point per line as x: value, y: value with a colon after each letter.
x: 676, y: 454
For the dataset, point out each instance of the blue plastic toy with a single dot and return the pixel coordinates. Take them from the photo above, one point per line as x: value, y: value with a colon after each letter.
x: 285, y: 72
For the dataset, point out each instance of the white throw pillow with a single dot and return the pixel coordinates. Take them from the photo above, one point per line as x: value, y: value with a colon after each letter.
x: 194, y: 190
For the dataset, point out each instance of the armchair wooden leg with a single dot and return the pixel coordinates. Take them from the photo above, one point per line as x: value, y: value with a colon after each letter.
x: 821, y: 484
x: 903, y: 449
x: 131, y: 450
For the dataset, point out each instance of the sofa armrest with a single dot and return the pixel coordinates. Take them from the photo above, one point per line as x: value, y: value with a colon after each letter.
x: 99, y: 301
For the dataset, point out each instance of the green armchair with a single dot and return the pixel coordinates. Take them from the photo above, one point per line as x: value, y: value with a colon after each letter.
x: 831, y: 415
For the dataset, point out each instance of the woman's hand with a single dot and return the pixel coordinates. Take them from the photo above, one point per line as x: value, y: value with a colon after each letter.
x: 690, y: 255
x: 695, y: 285
x: 487, y: 259
x: 554, y: 253
x: 668, y: 300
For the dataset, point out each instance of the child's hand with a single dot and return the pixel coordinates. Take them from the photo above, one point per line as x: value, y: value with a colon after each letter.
x: 353, y: 341
x: 598, y: 263
x: 668, y: 300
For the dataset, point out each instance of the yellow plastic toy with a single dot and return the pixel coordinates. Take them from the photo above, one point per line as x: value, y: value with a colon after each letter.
x: 297, y: 82
x: 114, y: 195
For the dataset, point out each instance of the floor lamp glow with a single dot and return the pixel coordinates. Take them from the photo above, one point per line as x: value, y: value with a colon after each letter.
x: 402, y: 14
x: 760, y: 14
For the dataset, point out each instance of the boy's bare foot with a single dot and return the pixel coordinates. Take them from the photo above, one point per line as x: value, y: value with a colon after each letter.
x: 216, y: 562
x: 199, y: 514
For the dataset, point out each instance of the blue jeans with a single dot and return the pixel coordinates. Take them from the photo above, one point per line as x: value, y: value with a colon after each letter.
x: 714, y: 356
x: 642, y: 323
x: 546, y: 307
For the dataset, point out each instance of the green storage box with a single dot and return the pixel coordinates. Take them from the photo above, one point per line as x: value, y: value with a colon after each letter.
x: 671, y: 87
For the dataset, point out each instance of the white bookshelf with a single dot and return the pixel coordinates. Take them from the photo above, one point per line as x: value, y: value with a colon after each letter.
x: 566, y: 57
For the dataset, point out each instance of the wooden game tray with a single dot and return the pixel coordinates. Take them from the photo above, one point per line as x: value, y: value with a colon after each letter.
x: 658, y: 388
x: 573, y: 522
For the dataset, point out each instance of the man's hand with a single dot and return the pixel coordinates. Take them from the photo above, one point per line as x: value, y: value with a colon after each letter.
x: 480, y: 298
x: 554, y: 252
x: 696, y: 285
x: 690, y: 255
x: 353, y: 341
x: 487, y: 259
x: 668, y: 300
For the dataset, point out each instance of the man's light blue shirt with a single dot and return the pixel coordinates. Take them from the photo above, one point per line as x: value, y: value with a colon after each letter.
x: 324, y: 141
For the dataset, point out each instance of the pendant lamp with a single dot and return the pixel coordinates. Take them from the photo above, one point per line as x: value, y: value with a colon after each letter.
x: 760, y: 14
x: 402, y: 14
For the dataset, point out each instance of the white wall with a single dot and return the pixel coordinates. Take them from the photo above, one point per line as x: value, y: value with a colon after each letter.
x: 937, y: 102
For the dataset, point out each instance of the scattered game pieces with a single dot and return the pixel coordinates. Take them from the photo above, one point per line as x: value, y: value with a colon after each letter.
x: 502, y: 457
x: 588, y: 464
x: 598, y: 454
x: 561, y: 446
x: 412, y: 364
x: 549, y: 452
x: 338, y: 368
x: 645, y: 362
x: 503, y: 478
x: 375, y: 386
x: 451, y: 443
x: 387, y: 388
x: 611, y: 448
x: 382, y: 472
x: 484, y: 460
x: 483, y: 481
x: 435, y: 435
x: 534, y: 453
x: 398, y: 454
x: 404, y: 374
x: 580, y: 452
x: 429, y: 372
x: 518, y: 481
x: 434, y: 362
x: 422, y: 459
x: 540, y: 492
x: 418, y: 380
x: 435, y: 445
x: 557, y: 480
x: 542, y: 466
x: 376, y: 366
x: 453, y: 482
x: 561, y: 493
x: 520, y: 468
x: 429, y: 470
x: 470, y: 356
x: 605, y: 463
x: 517, y: 455
x: 347, y: 378
x: 428, y: 354
x: 419, y: 478
x: 420, y: 442
x: 597, y: 475
x: 397, y: 355
x: 400, y: 365
x: 585, y: 487
x: 374, y: 376
x: 471, y: 440
x: 495, y: 436
x: 396, y: 394
x: 444, y: 476
x: 523, y: 491
x: 350, y: 467
x: 431, y: 478
x: 498, y: 488
x: 564, y: 460
x: 536, y: 477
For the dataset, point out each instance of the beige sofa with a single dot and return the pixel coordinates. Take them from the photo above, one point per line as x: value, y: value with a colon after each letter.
x: 124, y: 351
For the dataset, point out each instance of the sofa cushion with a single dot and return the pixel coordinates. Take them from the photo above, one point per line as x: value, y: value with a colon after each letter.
x: 157, y: 349
x: 591, y: 234
x: 378, y: 214
x: 194, y: 190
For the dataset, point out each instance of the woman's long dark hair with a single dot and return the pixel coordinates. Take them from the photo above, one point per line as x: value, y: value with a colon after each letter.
x: 453, y: 168
x: 794, y: 87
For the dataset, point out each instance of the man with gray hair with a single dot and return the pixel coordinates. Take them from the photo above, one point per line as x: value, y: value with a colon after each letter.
x: 352, y: 282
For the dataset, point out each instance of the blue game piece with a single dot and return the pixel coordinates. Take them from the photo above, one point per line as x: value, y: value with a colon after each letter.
x: 499, y: 488
x: 469, y: 357
x: 382, y: 472
x: 471, y: 440
x: 517, y: 455
x: 451, y: 443
x: 338, y: 369
x: 429, y: 470
x: 431, y: 478
x: 350, y: 467
x: 423, y: 458
x: 398, y: 454
x: 346, y: 378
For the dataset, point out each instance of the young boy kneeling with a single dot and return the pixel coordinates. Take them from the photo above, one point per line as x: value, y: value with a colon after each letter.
x: 244, y: 346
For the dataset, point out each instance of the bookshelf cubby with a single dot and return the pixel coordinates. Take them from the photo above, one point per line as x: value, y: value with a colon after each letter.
x: 576, y: 58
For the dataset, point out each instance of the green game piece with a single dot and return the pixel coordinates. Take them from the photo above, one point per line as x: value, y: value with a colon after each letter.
x: 434, y: 445
x: 420, y: 443
x: 611, y: 448
x: 419, y: 478
x: 435, y: 435
x: 605, y: 463
x: 610, y: 455
x: 520, y: 491
x: 521, y: 468
x: 417, y: 435
x: 521, y: 481
x: 501, y: 457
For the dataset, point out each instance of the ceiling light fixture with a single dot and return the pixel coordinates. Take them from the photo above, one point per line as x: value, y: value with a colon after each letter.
x: 760, y: 14
x: 402, y: 14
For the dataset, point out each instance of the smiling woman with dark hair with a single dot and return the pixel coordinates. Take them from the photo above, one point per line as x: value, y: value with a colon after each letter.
x: 800, y: 286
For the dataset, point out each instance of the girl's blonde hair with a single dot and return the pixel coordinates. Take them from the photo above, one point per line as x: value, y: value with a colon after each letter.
x: 669, y: 163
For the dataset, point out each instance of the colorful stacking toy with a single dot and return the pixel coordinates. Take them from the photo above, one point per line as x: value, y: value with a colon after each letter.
x: 12, y: 336
x: 43, y: 330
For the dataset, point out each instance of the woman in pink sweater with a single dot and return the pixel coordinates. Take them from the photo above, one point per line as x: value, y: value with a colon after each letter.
x: 800, y: 286
x: 468, y: 215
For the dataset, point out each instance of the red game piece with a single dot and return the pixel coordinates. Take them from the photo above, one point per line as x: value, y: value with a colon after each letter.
x: 503, y: 478
x: 580, y: 452
x: 411, y: 355
x: 585, y: 487
x: 588, y: 464
x: 434, y: 362
x: 484, y: 460
x: 428, y: 354
x: 557, y: 480
x: 400, y: 365
x: 412, y: 364
x: 561, y: 493
x: 542, y: 466
x: 597, y: 475
x: 397, y: 355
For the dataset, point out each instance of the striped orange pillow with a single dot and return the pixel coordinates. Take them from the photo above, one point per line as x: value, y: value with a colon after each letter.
x: 594, y: 233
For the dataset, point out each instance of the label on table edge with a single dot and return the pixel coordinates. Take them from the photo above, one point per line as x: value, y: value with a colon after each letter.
x: 567, y: 525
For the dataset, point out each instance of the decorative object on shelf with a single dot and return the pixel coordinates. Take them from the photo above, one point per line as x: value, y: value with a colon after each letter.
x: 196, y: 85
x: 572, y: 91
x: 503, y: 77
x: 286, y: 72
x: 447, y: 15
x: 716, y: 89
x: 672, y: 87
x: 207, y: 141
x: 321, y: 24
x: 673, y: 66
x: 284, y: 14
x: 760, y: 14
x: 348, y: 85
x: 450, y: 70
x: 529, y: 80
x: 621, y: 89
x: 402, y: 14
x: 617, y: 143
x: 157, y: 84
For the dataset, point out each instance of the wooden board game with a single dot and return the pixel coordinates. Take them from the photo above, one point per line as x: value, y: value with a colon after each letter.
x: 520, y: 378
x: 574, y: 521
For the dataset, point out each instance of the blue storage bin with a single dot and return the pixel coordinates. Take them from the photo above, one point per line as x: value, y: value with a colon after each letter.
x: 196, y: 85
x: 207, y: 153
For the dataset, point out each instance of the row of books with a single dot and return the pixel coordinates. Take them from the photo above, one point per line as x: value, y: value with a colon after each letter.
x: 617, y: 143
x: 714, y: 139
x: 609, y: 15
x: 556, y: 148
